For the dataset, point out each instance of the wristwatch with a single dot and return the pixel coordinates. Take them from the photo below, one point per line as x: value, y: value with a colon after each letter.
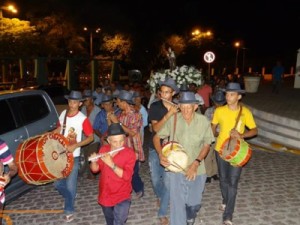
x: 198, y: 160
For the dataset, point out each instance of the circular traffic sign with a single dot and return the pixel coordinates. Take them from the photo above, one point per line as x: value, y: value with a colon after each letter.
x: 209, y: 57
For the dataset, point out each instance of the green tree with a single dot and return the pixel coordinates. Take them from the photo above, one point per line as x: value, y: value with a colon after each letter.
x: 117, y: 46
x: 60, y: 36
x: 17, y: 37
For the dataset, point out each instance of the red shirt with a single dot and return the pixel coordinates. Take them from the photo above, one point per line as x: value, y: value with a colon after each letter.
x: 113, y: 189
x: 205, y: 93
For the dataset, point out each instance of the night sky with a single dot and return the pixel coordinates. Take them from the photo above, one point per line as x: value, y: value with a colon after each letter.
x: 267, y: 27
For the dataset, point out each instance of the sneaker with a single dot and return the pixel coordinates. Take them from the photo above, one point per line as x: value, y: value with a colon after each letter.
x: 227, y: 222
x: 69, y: 218
x: 222, y: 207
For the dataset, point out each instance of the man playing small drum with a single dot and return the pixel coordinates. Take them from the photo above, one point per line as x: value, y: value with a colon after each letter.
x: 193, y: 131
x: 159, y: 112
x: 226, y: 117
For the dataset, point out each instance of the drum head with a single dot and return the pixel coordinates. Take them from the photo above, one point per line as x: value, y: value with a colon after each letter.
x: 55, y: 157
x: 171, y: 146
x: 178, y: 160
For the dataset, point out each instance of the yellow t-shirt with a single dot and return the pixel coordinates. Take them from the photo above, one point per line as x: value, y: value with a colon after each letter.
x: 226, y: 119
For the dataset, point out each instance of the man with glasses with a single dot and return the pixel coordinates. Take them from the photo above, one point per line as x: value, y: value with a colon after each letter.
x: 159, y: 112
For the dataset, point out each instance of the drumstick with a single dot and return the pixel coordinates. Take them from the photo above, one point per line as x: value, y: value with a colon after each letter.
x: 101, y: 155
x: 178, y: 166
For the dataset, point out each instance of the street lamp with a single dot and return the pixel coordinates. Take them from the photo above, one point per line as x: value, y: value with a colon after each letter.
x: 10, y: 8
x: 97, y: 30
x: 237, y: 45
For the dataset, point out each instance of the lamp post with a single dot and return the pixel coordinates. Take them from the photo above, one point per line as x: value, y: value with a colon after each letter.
x: 237, y: 45
x: 97, y: 30
x: 10, y: 8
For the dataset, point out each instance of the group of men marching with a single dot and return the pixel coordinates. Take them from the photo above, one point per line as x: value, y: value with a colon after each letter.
x: 115, y: 132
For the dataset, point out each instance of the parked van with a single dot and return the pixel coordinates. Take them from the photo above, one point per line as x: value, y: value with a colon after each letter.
x: 24, y: 114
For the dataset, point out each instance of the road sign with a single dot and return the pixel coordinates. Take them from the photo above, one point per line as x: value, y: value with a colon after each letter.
x: 209, y: 57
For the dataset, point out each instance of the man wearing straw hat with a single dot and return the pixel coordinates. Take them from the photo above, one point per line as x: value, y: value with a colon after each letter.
x: 232, y: 119
x: 116, y: 174
x: 131, y: 122
x: 72, y: 121
x: 159, y: 112
x: 193, y: 131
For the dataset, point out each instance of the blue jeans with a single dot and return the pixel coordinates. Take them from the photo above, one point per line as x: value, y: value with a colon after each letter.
x: 229, y: 178
x: 67, y: 187
x: 137, y: 183
x: 185, y: 197
x: 117, y: 215
x: 160, y: 182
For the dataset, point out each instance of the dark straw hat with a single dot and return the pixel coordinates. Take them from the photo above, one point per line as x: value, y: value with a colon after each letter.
x: 126, y: 96
x: 88, y: 94
x: 75, y: 95
x: 233, y: 87
x: 188, y: 97
x: 218, y: 97
x: 107, y: 98
x: 115, y: 129
x: 169, y: 82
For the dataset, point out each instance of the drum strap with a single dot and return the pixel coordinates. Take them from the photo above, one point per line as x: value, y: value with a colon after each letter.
x: 64, y: 124
x: 174, y: 130
x: 236, y: 123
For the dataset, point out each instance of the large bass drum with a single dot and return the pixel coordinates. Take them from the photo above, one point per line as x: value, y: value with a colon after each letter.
x: 236, y: 151
x: 44, y: 159
x: 176, y: 155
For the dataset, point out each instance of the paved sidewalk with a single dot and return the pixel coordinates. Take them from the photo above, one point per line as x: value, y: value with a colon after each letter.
x: 286, y: 103
x: 269, y: 193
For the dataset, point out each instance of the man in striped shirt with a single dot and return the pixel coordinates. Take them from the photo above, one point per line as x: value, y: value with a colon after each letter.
x: 6, y: 158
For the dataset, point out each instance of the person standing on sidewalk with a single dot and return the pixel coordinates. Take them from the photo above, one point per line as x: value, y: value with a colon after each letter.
x: 226, y: 116
x: 116, y: 174
x: 193, y: 131
x: 6, y: 159
x: 277, y: 77
x: 131, y: 122
x: 75, y: 123
x: 159, y: 113
x: 90, y: 109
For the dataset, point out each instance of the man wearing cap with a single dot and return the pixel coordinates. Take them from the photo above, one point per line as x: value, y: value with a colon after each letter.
x: 193, y: 131
x: 73, y: 120
x: 159, y: 113
x: 90, y: 110
x: 131, y: 122
x: 231, y: 115
x: 116, y: 174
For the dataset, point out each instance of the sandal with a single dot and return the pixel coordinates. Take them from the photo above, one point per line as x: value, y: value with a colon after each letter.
x: 227, y: 222
x: 69, y: 218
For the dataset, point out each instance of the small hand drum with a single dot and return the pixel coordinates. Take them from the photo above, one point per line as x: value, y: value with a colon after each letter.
x: 176, y: 155
x: 236, y: 151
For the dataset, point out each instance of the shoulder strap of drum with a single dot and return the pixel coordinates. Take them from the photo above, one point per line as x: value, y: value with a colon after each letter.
x: 174, y: 130
x: 175, y: 121
x: 238, y: 117
x: 236, y: 122
x: 64, y: 123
